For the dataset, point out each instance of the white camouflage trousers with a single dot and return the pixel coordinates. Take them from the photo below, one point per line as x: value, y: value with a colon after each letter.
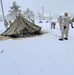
x: 64, y: 33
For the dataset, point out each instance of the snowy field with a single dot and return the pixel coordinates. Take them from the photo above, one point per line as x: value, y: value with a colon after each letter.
x: 39, y: 55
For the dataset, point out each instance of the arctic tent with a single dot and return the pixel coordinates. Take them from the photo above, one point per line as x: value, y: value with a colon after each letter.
x: 22, y: 27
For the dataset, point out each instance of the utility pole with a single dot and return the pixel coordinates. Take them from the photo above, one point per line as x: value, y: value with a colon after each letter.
x: 43, y: 12
x: 3, y: 12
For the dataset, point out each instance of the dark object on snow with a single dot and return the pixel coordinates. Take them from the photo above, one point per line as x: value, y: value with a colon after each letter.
x: 53, y: 25
x: 2, y: 51
x: 21, y: 28
x: 40, y: 22
x: 46, y: 21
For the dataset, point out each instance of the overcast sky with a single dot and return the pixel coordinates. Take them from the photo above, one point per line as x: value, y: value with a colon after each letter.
x: 55, y: 6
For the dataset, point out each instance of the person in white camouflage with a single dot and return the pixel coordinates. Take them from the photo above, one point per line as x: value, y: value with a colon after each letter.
x: 60, y: 22
x: 65, y: 30
x: 6, y: 23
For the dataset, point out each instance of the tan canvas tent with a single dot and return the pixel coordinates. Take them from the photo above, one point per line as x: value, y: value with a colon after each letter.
x: 22, y: 27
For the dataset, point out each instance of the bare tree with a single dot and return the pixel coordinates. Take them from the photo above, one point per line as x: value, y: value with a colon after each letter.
x: 14, y: 10
x: 28, y: 14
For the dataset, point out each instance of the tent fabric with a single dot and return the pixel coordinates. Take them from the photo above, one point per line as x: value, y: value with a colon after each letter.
x: 20, y: 27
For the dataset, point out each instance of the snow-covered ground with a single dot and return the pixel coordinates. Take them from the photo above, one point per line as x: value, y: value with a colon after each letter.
x: 39, y: 55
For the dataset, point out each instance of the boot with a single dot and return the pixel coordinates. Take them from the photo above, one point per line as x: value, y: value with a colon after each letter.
x: 66, y: 38
x: 61, y: 39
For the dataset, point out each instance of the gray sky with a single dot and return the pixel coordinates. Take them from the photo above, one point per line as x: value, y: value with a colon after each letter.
x: 55, y: 6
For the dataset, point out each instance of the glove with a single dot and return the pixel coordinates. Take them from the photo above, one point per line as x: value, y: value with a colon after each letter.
x: 72, y: 26
x: 64, y: 27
